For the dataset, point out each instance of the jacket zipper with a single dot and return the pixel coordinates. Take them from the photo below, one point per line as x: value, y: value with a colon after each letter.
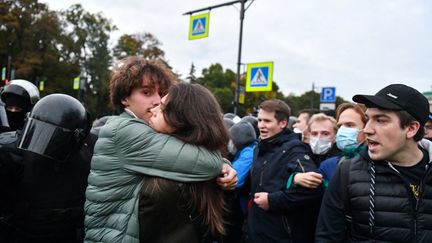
x: 262, y: 173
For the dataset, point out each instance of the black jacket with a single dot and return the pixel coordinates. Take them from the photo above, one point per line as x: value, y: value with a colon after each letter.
x: 163, y: 202
x: 334, y: 151
x: 292, y: 214
x: 397, y: 215
x: 48, y: 198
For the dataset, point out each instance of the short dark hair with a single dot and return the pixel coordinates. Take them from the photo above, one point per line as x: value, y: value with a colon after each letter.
x: 280, y: 108
x: 309, y: 111
x: 130, y: 74
x: 405, y: 120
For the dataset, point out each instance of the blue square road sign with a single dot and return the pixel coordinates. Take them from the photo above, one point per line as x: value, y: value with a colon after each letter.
x: 328, y: 94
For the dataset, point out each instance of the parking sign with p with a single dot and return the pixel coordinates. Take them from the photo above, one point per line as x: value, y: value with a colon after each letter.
x: 328, y: 94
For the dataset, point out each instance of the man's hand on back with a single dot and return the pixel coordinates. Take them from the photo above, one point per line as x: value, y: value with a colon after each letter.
x: 228, y: 178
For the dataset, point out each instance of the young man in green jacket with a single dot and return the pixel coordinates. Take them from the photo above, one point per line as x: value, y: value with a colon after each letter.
x: 128, y: 148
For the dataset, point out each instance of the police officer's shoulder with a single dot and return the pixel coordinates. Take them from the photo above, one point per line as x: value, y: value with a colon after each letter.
x: 8, y: 138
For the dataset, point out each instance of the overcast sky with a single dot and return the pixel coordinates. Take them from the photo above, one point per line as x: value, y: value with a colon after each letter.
x: 356, y: 46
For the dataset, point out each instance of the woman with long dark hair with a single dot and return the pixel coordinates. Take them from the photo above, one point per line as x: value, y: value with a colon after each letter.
x: 171, y: 211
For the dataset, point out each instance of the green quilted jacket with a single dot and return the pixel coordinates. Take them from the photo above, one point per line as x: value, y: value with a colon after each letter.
x: 126, y: 149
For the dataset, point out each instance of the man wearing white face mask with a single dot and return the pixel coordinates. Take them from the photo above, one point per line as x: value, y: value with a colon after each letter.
x: 301, y: 125
x: 323, y: 130
x: 350, y: 139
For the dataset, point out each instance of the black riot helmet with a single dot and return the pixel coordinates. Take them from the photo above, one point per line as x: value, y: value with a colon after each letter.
x: 22, y: 88
x: 19, y: 96
x: 56, y: 127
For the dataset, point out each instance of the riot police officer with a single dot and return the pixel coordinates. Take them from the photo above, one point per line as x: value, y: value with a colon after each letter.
x: 19, y: 97
x: 53, y: 161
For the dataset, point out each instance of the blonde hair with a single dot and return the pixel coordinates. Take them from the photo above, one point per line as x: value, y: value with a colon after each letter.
x: 323, y: 117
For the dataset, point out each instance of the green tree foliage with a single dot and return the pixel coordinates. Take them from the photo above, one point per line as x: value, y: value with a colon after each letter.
x: 30, y: 40
x: 253, y: 99
x: 56, y: 47
x: 191, y: 77
x: 223, y: 84
x: 310, y: 99
x: 89, y: 36
x: 144, y: 44
x: 39, y: 44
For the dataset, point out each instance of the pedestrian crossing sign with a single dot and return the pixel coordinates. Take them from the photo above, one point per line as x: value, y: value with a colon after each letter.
x: 259, y: 77
x: 199, y: 26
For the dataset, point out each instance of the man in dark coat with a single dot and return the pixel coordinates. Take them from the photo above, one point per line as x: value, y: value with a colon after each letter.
x: 280, y: 212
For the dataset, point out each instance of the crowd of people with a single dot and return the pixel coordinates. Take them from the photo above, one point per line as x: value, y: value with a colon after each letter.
x: 171, y: 167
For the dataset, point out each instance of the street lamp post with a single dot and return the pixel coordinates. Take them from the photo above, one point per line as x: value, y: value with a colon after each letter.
x: 242, y: 12
x: 237, y: 92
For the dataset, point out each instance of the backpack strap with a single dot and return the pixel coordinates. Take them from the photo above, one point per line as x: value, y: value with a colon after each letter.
x: 345, y: 172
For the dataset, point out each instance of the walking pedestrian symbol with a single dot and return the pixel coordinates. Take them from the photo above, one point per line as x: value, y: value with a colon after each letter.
x: 259, y: 77
x: 199, y: 26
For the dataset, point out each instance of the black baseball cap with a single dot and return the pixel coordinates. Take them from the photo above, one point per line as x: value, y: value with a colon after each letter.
x: 398, y: 97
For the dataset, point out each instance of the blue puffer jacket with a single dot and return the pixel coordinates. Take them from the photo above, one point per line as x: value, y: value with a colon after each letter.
x: 126, y: 149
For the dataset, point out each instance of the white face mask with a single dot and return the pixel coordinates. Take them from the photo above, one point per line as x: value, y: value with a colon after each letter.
x: 297, y: 130
x: 320, y: 146
x: 231, y: 147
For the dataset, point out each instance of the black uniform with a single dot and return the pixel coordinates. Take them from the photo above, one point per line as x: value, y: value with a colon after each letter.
x: 43, y: 199
x: 46, y: 169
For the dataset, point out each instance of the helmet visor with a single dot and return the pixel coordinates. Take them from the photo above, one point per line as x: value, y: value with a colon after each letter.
x: 46, y: 139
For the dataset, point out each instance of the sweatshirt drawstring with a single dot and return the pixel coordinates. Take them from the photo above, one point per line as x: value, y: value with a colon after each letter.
x: 372, y: 198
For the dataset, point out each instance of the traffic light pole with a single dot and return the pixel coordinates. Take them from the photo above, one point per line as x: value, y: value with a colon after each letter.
x: 242, y: 11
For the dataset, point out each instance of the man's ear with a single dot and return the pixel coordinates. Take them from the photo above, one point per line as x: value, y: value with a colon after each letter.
x: 283, y: 123
x: 413, y: 128
x: 125, y: 102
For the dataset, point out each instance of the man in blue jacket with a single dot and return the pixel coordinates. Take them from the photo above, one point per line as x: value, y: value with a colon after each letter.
x: 280, y: 212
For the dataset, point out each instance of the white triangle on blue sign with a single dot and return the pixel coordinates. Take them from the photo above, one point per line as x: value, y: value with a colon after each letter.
x: 199, y: 28
x: 259, y: 78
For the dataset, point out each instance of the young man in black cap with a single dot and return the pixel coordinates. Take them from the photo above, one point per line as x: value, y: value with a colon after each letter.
x: 385, y: 194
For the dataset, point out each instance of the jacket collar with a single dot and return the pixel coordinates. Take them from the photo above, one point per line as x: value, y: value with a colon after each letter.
x: 126, y: 110
x: 277, y: 140
x: 129, y: 114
